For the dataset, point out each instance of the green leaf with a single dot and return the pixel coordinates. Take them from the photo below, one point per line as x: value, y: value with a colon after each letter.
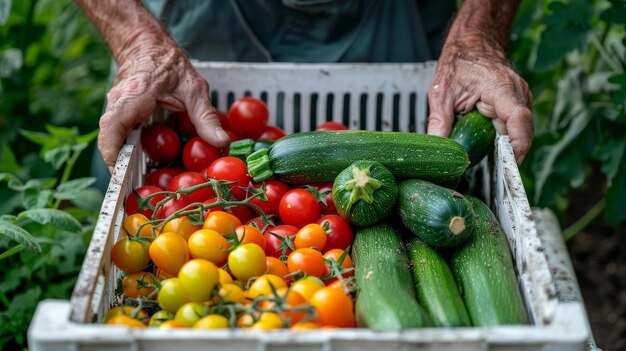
x: 20, y: 235
x: 5, y: 10
x: 35, y: 198
x: 53, y: 216
x: 57, y: 156
x: 7, y: 160
x: 616, y: 13
x: 72, y: 189
x: 611, y: 153
x: 38, y: 138
x: 88, y: 138
x: 62, y: 133
x: 90, y: 200
x: 615, y: 195
x: 7, y: 177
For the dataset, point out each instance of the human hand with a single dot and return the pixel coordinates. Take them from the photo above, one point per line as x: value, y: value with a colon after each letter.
x: 476, y: 74
x: 151, y: 76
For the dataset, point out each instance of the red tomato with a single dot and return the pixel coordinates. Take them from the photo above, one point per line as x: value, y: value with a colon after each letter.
x: 160, y: 143
x: 329, y: 208
x: 180, y: 122
x: 188, y: 179
x: 223, y: 117
x: 330, y: 125
x: 274, y: 246
x: 160, y: 177
x: 232, y: 169
x: 132, y: 205
x: 299, y: 207
x: 172, y: 206
x: 199, y: 154
x: 274, y: 190
x: 340, y: 236
x: 272, y: 133
x: 242, y: 212
x: 247, y: 117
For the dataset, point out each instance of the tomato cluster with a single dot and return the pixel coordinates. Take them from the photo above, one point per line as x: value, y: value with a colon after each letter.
x: 206, y: 247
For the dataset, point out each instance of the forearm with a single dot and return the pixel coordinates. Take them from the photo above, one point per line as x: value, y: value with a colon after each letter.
x: 126, y: 25
x: 484, y: 23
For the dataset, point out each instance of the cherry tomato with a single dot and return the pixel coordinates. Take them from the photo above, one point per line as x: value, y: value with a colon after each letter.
x: 129, y: 311
x: 198, y: 278
x: 278, y: 247
x: 131, y: 282
x: 130, y: 255
x: 340, y: 234
x: 330, y: 125
x: 247, y: 117
x: 173, y: 205
x: 121, y: 319
x: 293, y: 299
x: 272, y: 133
x: 233, y: 137
x: 268, y: 321
x: 198, y: 154
x: 306, y: 288
x: 171, y: 325
x: 209, y: 245
x: 160, y: 143
x: 242, y: 212
x: 263, y: 285
x: 335, y: 254
x: 298, y: 207
x: 329, y: 207
x: 132, y: 205
x: 276, y: 266
x: 187, y: 180
x: 248, y: 234
x: 222, y: 222
x: 258, y: 222
x: 160, y: 177
x: 307, y: 260
x: 189, y: 313
x: 171, y: 295
x: 181, y: 226
x: 162, y: 275
x: 169, y: 252
x: 311, y: 235
x: 232, y: 293
x: 132, y: 223
x: 231, y: 169
x: 304, y: 326
x: 274, y: 191
x: 180, y: 122
x: 336, y: 284
x: 334, y: 308
x: 212, y: 321
x: 159, y: 317
x: 225, y: 277
x: 247, y: 261
x: 223, y: 117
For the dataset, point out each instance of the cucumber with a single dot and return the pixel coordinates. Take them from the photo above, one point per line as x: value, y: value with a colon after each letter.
x: 312, y: 157
x: 435, y: 286
x: 439, y: 216
x: 476, y: 134
x: 386, y: 295
x: 483, y: 268
x: 364, y: 193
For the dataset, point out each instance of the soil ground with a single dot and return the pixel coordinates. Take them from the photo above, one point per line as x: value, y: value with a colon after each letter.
x: 598, y: 254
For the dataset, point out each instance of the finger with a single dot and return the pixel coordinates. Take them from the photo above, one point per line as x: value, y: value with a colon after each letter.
x: 441, y: 111
x: 203, y: 115
x: 519, y: 123
x: 111, y: 138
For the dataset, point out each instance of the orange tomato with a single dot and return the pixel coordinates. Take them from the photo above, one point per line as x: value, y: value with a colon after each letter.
x: 181, y: 226
x: 130, y: 284
x: 306, y: 288
x: 130, y: 255
x: 307, y: 260
x: 311, y: 235
x: 334, y: 308
x: 276, y: 266
x: 209, y: 245
x: 248, y: 234
x: 222, y: 222
x: 122, y: 319
x: 169, y: 252
x: 132, y: 223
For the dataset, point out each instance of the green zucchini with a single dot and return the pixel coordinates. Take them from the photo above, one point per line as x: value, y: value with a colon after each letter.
x: 312, y: 157
x: 476, y: 134
x: 439, y: 216
x: 386, y: 296
x: 435, y: 286
x: 483, y: 268
x: 365, y: 192
x: 262, y: 144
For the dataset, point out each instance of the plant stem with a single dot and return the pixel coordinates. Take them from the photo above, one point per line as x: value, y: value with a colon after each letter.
x: 12, y: 251
x: 584, y: 221
x: 606, y: 56
x: 4, y: 299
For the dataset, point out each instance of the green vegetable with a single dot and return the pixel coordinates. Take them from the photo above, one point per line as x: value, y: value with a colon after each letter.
x: 386, y: 295
x: 311, y: 157
x: 435, y: 286
x: 439, y: 216
x: 476, y: 134
x: 365, y: 192
x: 484, y: 270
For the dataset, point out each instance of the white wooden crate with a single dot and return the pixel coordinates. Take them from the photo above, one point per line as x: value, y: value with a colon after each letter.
x: 301, y: 96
